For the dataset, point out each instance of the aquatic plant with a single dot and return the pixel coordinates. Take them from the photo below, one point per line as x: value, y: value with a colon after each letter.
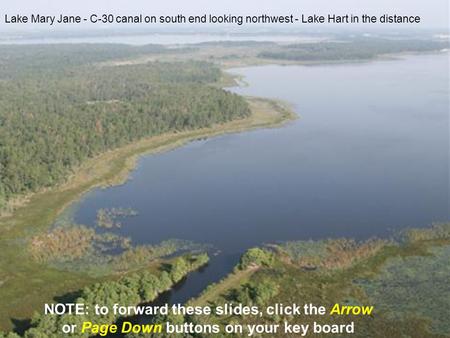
x: 421, y: 280
x: 107, y: 218
x: 329, y: 254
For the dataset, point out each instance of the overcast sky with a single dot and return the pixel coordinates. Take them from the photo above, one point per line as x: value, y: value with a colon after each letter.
x: 434, y: 13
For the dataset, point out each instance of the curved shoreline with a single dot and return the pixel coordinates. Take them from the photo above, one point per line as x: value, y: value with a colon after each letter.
x: 110, y: 168
x: 105, y: 170
x: 18, y: 272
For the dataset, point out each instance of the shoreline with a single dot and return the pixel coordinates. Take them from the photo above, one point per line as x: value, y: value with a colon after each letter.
x: 19, y: 272
x: 229, y: 80
x: 266, y: 113
x: 108, y: 169
x: 259, y: 62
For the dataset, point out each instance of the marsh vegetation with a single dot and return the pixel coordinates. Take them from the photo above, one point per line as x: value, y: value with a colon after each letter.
x: 404, y: 279
x: 82, y: 114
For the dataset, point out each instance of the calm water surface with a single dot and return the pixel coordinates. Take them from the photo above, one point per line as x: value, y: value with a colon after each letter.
x: 369, y: 155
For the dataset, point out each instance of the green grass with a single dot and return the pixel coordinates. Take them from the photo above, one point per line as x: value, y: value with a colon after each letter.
x: 26, y: 285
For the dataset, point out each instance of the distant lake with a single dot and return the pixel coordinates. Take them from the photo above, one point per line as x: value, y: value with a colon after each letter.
x: 154, y: 38
x: 369, y: 155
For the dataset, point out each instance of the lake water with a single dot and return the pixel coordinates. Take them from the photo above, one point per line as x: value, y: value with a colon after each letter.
x: 369, y: 155
x: 152, y: 38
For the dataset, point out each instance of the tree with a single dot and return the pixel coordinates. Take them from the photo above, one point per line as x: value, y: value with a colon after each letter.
x: 256, y: 257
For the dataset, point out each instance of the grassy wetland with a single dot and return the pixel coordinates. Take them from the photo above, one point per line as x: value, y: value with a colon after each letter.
x: 41, y: 210
x: 404, y: 279
x: 29, y: 246
x: 40, y: 263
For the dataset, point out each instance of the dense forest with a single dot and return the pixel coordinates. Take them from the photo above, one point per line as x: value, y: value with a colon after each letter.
x: 26, y: 61
x: 53, y: 118
x: 61, y: 104
x: 354, y: 49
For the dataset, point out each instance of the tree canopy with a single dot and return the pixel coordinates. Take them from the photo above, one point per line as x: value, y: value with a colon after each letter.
x: 52, y: 119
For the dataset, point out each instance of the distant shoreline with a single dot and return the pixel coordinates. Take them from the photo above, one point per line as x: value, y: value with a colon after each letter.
x: 37, y: 212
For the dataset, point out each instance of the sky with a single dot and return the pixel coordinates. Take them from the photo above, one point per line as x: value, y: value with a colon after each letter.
x: 434, y: 13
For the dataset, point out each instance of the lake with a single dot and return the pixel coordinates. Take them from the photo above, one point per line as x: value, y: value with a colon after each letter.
x: 163, y: 38
x: 367, y: 157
